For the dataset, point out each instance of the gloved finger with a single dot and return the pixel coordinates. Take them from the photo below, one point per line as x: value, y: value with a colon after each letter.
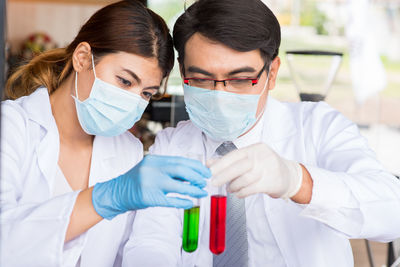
x: 232, y: 172
x: 179, y: 203
x: 227, y: 161
x: 248, y: 190
x: 185, y: 173
x: 242, y: 181
x: 174, y: 186
x: 193, y: 164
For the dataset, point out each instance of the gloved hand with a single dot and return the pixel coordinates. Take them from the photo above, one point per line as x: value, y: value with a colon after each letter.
x: 257, y: 169
x: 147, y: 184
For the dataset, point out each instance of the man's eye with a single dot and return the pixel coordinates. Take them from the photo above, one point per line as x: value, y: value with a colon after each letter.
x: 240, y: 81
x: 201, y: 81
x: 124, y: 81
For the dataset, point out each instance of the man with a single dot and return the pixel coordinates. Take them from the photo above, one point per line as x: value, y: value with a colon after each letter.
x: 301, y: 180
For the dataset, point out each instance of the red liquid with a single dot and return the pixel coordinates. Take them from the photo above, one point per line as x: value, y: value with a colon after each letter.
x: 217, y: 224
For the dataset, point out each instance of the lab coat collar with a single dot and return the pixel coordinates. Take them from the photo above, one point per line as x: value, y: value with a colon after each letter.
x: 278, y: 122
x: 38, y: 109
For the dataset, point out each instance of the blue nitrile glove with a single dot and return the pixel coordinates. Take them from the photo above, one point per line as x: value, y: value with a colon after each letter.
x: 147, y: 184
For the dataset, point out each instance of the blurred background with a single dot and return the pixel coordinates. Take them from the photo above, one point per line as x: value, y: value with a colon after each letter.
x: 346, y: 52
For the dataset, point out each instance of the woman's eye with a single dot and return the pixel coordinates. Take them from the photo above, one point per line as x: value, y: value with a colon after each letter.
x: 147, y: 95
x: 124, y: 81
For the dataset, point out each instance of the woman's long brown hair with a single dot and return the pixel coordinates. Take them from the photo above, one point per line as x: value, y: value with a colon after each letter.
x: 126, y: 26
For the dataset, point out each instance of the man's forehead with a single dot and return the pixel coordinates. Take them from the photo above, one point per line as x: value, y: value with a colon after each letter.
x: 212, y: 56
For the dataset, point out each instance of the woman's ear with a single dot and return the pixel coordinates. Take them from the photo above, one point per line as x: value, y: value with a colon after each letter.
x: 81, y: 58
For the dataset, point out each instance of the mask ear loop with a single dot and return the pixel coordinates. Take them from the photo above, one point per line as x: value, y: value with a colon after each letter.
x: 76, y: 85
x: 266, y: 83
x: 94, y: 70
x: 76, y: 78
x: 262, y: 92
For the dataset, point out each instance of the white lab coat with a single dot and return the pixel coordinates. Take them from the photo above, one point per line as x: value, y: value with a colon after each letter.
x: 353, y: 197
x: 33, y: 222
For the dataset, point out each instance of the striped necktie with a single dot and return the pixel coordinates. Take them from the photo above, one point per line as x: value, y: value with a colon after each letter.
x: 236, y: 251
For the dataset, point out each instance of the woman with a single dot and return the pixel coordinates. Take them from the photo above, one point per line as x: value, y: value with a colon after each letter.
x: 67, y: 160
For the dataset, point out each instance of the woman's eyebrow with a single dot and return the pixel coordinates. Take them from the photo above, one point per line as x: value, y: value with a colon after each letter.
x: 134, y: 76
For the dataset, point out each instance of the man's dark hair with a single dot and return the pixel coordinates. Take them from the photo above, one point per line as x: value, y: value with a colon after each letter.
x: 243, y: 25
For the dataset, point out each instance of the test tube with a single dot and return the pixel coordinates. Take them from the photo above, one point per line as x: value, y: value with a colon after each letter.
x: 191, y: 228
x: 218, y: 221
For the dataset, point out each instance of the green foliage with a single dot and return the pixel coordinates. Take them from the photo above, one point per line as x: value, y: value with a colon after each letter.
x: 312, y: 16
x: 167, y: 9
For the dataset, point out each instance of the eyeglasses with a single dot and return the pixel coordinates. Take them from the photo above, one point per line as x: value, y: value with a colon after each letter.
x: 231, y: 85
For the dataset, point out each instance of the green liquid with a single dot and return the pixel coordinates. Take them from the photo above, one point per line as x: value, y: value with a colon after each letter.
x: 190, y: 229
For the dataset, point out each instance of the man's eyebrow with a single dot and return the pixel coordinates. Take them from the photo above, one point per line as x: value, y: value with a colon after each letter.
x: 134, y: 76
x: 240, y: 70
x: 194, y: 69
x: 247, y: 69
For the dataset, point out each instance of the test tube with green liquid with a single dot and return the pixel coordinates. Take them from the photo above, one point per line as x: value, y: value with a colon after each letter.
x: 191, y: 228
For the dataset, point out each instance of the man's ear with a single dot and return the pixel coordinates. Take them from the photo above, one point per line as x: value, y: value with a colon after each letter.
x: 81, y: 58
x: 273, y: 73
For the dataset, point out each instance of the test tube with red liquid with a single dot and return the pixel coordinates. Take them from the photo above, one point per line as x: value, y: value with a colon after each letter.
x: 218, y: 221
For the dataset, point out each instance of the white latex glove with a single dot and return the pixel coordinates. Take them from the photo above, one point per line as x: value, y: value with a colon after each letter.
x: 257, y: 169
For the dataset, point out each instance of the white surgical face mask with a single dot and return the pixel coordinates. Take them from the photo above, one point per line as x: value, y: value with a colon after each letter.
x: 221, y: 115
x: 109, y: 110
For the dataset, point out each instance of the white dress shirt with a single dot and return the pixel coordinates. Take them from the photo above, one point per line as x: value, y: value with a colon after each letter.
x: 353, y: 197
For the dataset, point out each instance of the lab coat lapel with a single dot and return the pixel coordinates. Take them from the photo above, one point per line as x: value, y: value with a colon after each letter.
x: 279, y: 123
x: 197, y: 147
x: 188, y: 141
x: 278, y: 132
x: 38, y: 108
